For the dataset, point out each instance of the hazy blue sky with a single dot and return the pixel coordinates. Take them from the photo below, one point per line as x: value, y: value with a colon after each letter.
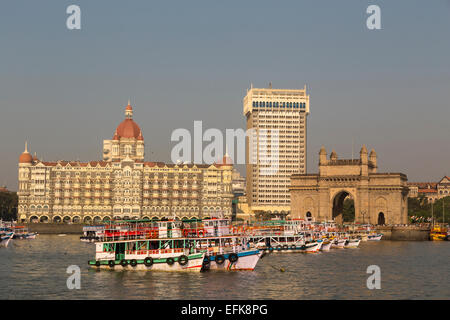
x: 64, y: 91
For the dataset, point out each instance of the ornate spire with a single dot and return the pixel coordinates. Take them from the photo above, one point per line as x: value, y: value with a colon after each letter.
x: 363, y: 149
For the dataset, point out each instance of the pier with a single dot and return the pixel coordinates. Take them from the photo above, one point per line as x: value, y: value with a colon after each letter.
x: 404, y: 233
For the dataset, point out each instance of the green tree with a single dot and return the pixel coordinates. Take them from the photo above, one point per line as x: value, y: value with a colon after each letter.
x: 348, y: 210
x: 8, y: 205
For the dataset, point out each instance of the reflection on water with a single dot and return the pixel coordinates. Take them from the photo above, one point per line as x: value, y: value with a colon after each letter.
x: 36, y: 269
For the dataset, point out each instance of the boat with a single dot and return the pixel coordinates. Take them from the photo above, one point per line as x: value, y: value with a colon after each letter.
x: 326, y: 245
x: 174, y: 245
x: 338, y: 243
x: 280, y: 243
x: 5, y: 237
x: 21, y: 232
x: 374, y: 237
x: 92, y: 233
x: 352, y: 243
x: 229, y: 253
x: 439, y: 233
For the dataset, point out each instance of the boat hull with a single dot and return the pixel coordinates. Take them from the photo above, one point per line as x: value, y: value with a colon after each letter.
x: 340, y: 244
x: 375, y: 238
x: 307, y: 248
x: 352, y: 244
x: 247, y: 261
x: 194, y: 264
x: 326, y: 246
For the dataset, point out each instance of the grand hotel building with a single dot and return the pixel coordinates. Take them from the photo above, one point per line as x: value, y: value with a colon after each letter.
x: 122, y: 185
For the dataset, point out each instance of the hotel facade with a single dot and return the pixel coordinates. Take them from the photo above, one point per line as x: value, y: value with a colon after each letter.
x: 270, y: 112
x: 122, y: 185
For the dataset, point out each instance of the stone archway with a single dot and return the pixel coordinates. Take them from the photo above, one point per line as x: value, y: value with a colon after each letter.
x: 371, y: 191
x: 337, y: 211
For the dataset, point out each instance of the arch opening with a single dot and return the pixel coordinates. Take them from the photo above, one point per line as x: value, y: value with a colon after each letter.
x: 343, y: 208
x: 381, y: 218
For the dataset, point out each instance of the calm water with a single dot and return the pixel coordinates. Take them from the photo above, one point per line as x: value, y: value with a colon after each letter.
x: 36, y: 269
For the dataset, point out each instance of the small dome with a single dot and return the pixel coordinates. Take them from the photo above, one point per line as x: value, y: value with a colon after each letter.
x: 25, y: 158
x: 323, y: 150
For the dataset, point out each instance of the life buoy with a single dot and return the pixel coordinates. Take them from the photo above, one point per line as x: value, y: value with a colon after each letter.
x: 206, y: 261
x: 123, y: 263
x: 271, y: 249
x: 279, y: 248
x: 293, y: 247
x: 183, y: 260
x: 201, y: 233
x: 133, y: 263
x: 148, y: 261
x: 233, y: 257
x: 220, y: 259
x: 285, y: 247
x: 185, y: 233
x: 97, y: 263
x: 170, y: 261
x: 111, y: 263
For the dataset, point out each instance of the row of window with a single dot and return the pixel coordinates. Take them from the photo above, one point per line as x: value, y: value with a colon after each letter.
x: 270, y: 104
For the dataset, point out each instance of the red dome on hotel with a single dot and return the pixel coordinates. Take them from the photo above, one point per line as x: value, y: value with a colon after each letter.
x: 128, y: 128
x: 25, y: 158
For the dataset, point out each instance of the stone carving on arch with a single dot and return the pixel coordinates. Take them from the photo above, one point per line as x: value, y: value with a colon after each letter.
x: 380, y: 203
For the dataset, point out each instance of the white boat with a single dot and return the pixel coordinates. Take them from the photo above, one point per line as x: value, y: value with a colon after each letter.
x: 374, y: 237
x: 338, y: 243
x: 148, y: 254
x: 326, y: 246
x: 92, y: 233
x: 233, y: 261
x: 173, y: 246
x: 5, y: 238
x: 285, y: 244
x: 352, y: 243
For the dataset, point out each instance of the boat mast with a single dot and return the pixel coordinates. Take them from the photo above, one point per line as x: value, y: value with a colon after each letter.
x: 432, y: 215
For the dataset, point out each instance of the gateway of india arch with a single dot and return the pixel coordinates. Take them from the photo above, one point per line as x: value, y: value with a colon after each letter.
x: 379, y: 198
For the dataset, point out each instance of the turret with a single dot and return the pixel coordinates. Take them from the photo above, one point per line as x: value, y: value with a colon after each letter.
x: 322, y: 156
x: 364, y: 161
x: 363, y: 155
x: 333, y: 156
x: 373, y: 160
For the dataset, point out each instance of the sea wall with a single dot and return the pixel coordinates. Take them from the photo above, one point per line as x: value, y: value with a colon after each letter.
x: 55, y: 228
x: 404, y: 233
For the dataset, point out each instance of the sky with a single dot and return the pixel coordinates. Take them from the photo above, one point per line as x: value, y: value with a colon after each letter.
x: 64, y: 91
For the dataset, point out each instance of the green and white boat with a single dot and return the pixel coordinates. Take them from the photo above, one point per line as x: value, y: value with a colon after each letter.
x: 148, y: 254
